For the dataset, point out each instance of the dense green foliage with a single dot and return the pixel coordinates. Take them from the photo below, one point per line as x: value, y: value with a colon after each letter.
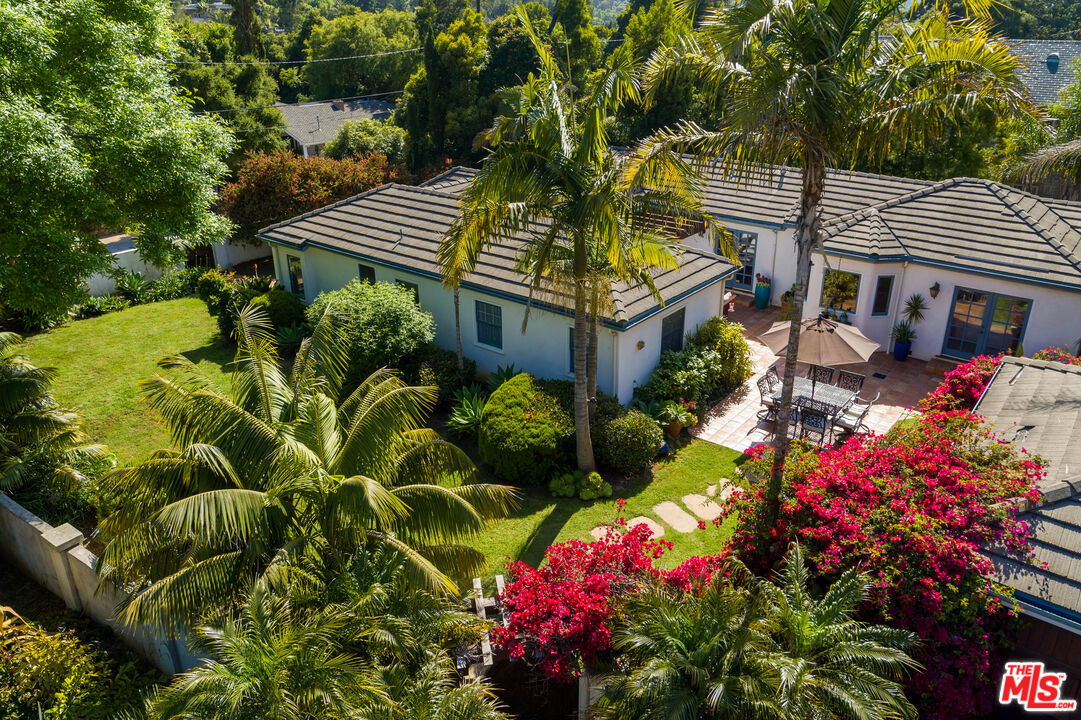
x: 283, y: 308
x: 714, y: 360
x: 524, y: 432
x: 360, y: 138
x: 133, y: 289
x: 225, y: 294
x: 628, y: 443
x: 381, y: 323
x: 586, y: 486
x: 361, y: 33
x: 93, y: 137
x: 433, y: 366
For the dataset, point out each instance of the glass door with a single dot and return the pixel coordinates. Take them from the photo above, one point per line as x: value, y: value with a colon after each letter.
x: 983, y: 323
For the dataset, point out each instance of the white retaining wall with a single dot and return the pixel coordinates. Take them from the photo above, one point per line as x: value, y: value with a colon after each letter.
x: 54, y: 558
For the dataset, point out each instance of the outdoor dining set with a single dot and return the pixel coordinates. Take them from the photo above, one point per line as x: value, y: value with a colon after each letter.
x: 822, y: 408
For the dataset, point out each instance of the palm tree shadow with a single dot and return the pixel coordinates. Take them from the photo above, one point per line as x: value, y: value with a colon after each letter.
x: 220, y: 355
x: 545, y: 533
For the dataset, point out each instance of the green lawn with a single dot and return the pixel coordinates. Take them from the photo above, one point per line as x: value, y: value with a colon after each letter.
x: 100, y: 360
x: 542, y: 520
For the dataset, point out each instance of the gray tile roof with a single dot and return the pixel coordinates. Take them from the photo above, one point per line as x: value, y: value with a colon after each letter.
x: 974, y: 224
x: 452, y: 181
x: 402, y: 226
x: 1037, y: 404
x: 318, y: 123
x: 1044, y: 77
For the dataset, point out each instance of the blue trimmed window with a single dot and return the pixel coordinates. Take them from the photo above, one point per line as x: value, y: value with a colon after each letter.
x: 489, y: 324
x: 365, y: 272
x: 745, y: 247
x: 883, y: 293
x: 672, y: 331
x: 296, y: 276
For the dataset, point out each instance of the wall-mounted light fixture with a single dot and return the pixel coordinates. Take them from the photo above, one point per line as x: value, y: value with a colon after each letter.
x: 935, y: 290
x: 641, y: 344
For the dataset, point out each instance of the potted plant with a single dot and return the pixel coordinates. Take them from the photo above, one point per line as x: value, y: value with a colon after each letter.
x: 786, y: 303
x: 677, y: 416
x: 761, y: 291
x: 902, y: 336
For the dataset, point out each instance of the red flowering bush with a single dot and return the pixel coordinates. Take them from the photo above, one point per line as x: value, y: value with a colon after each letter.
x: 911, y: 509
x: 1057, y: 355
x: 961, y: 387
x: 559, y: 615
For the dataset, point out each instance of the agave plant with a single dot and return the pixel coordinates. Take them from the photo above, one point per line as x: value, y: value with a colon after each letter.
x: 466, y: 414
x: 502, y: 374
x: 276, y: 478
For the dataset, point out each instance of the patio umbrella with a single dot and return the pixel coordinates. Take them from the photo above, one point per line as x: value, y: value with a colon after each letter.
x: 822, y: 341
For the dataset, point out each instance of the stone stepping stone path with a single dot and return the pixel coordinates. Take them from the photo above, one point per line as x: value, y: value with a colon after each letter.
x: 657, y: 530
x: 702, y: 506
x: 675, y: 516
x: 600, y: 532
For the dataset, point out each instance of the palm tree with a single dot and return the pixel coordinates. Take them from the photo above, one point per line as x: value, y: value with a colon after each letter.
x: 552, y: 186
x: 434, y: 693
x: 748, y: 648
x: 276, y: 479
x: 822, y: 83
x: 1063, y: 160
x: 831, y: 665
x: 33, y: 428
x: 272, y: 661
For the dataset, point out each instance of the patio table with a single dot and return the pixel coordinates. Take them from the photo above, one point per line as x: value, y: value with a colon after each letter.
x: 823, y: 392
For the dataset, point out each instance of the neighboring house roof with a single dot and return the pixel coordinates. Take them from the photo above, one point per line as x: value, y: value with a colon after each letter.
x: 971, y: 224
x: 1036, y: 404
x: 318, y: 123
x: 402, y: 226
x: 452, y: 181
x: 1049, y: 66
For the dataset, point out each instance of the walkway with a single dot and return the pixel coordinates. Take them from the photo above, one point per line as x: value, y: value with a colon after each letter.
x: 734, y: 422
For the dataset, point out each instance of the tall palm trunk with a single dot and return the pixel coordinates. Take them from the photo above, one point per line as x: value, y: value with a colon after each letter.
x: 814, y: 180
x: 591, y: 352
x: 458, y: 327
x: 583, y: 442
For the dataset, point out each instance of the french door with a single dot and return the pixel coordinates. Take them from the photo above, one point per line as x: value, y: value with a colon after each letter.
x: 984, y: 323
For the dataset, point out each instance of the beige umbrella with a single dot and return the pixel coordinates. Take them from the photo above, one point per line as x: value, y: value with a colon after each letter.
x: 822, y: 341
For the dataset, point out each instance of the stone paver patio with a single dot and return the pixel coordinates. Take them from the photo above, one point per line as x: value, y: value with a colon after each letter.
x: 734, y: 423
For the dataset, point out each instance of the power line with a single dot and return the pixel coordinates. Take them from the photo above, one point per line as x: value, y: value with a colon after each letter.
x: 304, y: 104
x: 297, y: 62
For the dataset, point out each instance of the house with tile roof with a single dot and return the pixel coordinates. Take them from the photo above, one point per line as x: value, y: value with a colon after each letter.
x: 1036, y: 405
x: 1050, y: 65
x: 392, y: 234
x: 310, y: 126
x: 998, y: 268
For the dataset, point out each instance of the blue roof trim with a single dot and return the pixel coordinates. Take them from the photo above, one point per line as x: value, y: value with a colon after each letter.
x: 1041, y: 609
x: 753, y: 221
x: 484, y: 290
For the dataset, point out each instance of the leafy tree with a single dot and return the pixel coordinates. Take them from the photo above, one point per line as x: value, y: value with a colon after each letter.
x: 35, y: 434
x: 360, y: 138
x: 92, y: 137
x: 747, y: 648
x: 510, y: 52
x: 815, y: 82
x: 552, y: 182
x: 276, y: 187
x: 583, y: 45
x: 247, y: 36
x: 358, y: 33
x: 436, y: 16
x: 279, y: 478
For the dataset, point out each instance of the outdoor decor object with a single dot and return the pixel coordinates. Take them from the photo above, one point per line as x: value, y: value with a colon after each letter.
x: 761, y: 291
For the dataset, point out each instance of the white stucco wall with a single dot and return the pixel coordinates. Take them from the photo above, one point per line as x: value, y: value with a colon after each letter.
x: 100, y: 284
x: 228, y: 254
x: 775, y: 255
x: 544, y: 347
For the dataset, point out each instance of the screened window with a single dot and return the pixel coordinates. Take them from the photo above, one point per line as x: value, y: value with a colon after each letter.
x: 366, y: 272
x: 883, y: 291
x: 745, y: 246
x: 489, y: 324
x: 412, y: 287
x: 296, y: 276
x: 672, y: 331
x: 839, y: 290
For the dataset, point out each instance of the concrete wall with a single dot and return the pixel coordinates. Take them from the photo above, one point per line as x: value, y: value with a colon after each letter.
x: 543, y: 349
x: 227, y: 255
x: 128, y: 260
x: 56, y: 560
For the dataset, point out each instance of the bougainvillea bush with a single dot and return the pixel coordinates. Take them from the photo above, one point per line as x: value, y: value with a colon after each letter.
x: 1057, y: 355
x: 961, y: 387
x: 559, y: 616
x: 911, y: 509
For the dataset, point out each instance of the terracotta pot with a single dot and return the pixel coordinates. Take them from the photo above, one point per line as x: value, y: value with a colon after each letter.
x: 674, y: 428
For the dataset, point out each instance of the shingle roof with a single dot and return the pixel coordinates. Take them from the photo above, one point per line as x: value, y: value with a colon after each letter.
x: 452, y: 181
x: 402, y: 225
x: 1044, y: 77
x: 1037, y: 404
x: 972, y: 223
x: 318, y: 123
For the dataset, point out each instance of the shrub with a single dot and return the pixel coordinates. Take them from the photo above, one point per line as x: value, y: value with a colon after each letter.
x: 382, y: 321
x: 912, y: 509
x: 468, y: 410
x: 99, y: 306
x: 502, y: 374
x: 282, y: 307
x: 360, y: 138
x: 223, y: 295
x: 131, y: 286
x: 563, y: 391
x: 432, y: 365
x: 1055, y: 354
x: 715, y: 360
x: 628, y: 443
x: 961, y: 387
x: 565, y: 484
x: 290, y: 338
x: 524, y: 432
x: 586, y: 486
x: 174, y: 283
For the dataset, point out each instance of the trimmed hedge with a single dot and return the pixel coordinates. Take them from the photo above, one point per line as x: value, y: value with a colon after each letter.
x: 563, y: 391
x: 628, y: 443
x: 524, y: 433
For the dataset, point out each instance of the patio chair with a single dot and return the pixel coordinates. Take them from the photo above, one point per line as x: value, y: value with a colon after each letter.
x: 773, y: 378
x: 850, y: 380
x: 765, y: 391
x: 852, y: 419
x: 820, y: 374
x: 814, y: 426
